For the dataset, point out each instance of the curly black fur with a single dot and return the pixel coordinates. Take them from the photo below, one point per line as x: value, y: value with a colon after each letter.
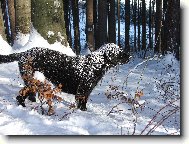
x: 78, y: 74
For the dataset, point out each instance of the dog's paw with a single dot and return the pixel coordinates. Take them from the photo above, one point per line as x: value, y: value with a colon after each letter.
x: 20, y: 101
x: 31, y: 97
x: 83, y: 109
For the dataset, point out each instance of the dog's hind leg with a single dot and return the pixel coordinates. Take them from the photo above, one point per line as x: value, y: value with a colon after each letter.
x: 24, y: 72
x: 21, y: 98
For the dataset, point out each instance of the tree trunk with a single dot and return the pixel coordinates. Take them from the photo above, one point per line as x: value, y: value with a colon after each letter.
x: 158, y: 25
x: 143, y: 25
x: 139, y: 22
x: 95, y: 16
x: 2, y: 28
x: 67, y: 20
x: 150, y: 24
x: 169, y: 24
x: 75, y: 12
x: 70, y: 25
x: 153, y: 17
x: 172, y: 20
x: 102, y: 23
x: 164, y: 28
x: 112, y: 22
x: 6, y: 20
x: 177, y: 33
x: 127, y: 24
x: 134, y: 22
x: 48, y: 20
x: 23, y: 16
x: 90, y: 26
x: 11, y: 11
x: 118, y: 17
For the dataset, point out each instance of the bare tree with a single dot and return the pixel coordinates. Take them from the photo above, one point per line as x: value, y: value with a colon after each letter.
x: 2, y: 28
x: 112, y: 22
x: 150, y: 24
x: 127, y: 24
x: 67, y: 13
x: 139, y: 22
x: 158, y: 25
x: 118, y: 17
x: 177, y: 10
x: 172, y: 27
x: 153, y: 19
x: 75, y: 11
x: 6, y: 20
x: 90, y: 28
x: 95, y: 18
x: 11, y: 11
x: 143, y: 25
x: 101, y: 38
x: 134, y: 22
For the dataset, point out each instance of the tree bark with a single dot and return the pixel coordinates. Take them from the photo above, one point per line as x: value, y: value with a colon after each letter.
x: 134, y: 22
x: 23, y: 16
x: 6, y: 20
x: 127, y: 25
x: 95, y: 18
x: 48, y: 20
x: 150, y: 24
x: 143, y: 25
x: 118, y: 17
x: 2, y: 28
x: 90, y: 26
x: 67, y: 21
x: 75, y: 12
x: 139, y: 22
x: 153, y: 17
x: 112, y: 22
x: 101, y: 37
x: 177, y: 25
x: 158, y: 25
x: 11, y: 11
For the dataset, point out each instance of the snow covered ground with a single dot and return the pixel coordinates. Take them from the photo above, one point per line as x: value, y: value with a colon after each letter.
x: 108, y: 114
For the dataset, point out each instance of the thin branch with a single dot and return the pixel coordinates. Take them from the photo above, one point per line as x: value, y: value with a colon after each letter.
x: 66, y: 115
x: 162, y: 120
x: 155, y: 116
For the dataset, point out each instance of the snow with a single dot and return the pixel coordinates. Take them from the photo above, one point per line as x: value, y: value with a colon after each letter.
x: 50, y: 33
x: 21, y: 40
x: 158, y: 77
x: 5, y: 48
x: 39, y: 76
x: 34, y: 39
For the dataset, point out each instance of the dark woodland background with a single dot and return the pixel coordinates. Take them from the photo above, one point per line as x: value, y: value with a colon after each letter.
x: 156, y: 23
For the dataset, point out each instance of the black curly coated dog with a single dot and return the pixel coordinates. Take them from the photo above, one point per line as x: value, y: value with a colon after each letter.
x: 78, y: 74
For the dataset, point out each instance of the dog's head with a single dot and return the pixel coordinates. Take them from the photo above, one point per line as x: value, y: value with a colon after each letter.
x: 114, y: 55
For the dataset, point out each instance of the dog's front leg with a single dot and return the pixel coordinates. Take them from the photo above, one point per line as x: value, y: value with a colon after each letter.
x: 81, y: 96
x: 81, y: 102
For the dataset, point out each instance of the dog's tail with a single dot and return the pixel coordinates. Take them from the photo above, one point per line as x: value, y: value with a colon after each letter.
x: 9, y: 58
